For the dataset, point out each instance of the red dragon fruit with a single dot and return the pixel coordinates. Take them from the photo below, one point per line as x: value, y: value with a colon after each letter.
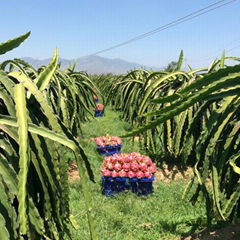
x: 134, y: 166
x: 147, y: 160
x: 122, y: 173
x: 147, y: 174
x: 116, y: 140
x: 99, y: 107
x: 99, y: 143
x: 152, y: 168
x: 131, y: 174
x: 143, y: 166
x: 130, y: 158
x: 126, y: 159
x: 113, y: 159
x: 117, y: 167
x: 139, y: 174
x: 106, y: 173
x: 114, y: 174
x: 103, y: 167
x: 126, y: 167
x: 118, y: 157
x: 139, y: 158
x: 106, y: 161
x: 110, y: 166
x: 108, y: 141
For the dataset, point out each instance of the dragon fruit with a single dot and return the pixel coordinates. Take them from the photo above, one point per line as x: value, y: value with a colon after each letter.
x: 110, y: 166
x: 103, y: 167
x: 117, y: 167
x: 114, y: 174
x: 152, y: 168
x: 147, y: 174
x: 139, y: 158
x: 143, y: 166
x: 113, y: 159
x: 122, y: 173
x: 107, y: 160
x: 118, y: 157
x: 106, y: 173
x: 131, y: 174
x: 139, y: 174
x: 99, y: 143
x: 126, y: 159
x: 130, y: 158
x: 134, y: 166
x: 117, y: 140
x: 147, y: 160
x: 126, y: 167
x: 108, y: 141
x: 99, y: 107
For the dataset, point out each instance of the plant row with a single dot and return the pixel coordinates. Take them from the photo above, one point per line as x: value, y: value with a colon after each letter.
x: 41, y: 111
x: 189, y: 118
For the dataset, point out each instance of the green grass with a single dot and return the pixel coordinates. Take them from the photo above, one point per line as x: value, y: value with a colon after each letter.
x: 161, y: 215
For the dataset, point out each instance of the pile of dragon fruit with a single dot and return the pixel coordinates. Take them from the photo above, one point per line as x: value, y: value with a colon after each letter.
x: 99, y: 107
x: 108, y: 141
x: 132, y: 165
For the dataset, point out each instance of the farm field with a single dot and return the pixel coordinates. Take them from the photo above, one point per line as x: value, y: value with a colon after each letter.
x: 162, y: 215
x: 184, y: 122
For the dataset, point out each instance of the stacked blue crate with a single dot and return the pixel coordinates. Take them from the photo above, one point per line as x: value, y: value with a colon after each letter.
x: 141, y: 187
x: 98, y: 113
x: 109, y: 150
x: 112, y: 186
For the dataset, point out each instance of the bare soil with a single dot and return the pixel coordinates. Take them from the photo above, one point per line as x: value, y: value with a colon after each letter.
x: 168, y: 173
x: 165, y: 174
x: 73, y: 174
x: 230, y: 232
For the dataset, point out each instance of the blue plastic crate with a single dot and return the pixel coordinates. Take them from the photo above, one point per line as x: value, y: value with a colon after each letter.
x: 112, y: 186
x: 109, y: 150
x: 98, y: 113
x: 141, y: 186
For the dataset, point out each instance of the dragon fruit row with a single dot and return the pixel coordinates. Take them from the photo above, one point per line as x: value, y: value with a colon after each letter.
x: 108, y: 141
x: 133, y: 165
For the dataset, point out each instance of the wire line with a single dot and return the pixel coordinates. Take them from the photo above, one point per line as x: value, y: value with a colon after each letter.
x: 171, y: 24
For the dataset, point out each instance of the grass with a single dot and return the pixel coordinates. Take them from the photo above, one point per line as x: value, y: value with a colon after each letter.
x: 161, y: 216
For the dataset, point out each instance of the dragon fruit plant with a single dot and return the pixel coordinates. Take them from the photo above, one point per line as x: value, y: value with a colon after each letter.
x: 108, y: 141
x: 99, y: 107
x: 133, y: 165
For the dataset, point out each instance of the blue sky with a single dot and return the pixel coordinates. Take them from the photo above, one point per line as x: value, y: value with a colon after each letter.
x: 82, y: 27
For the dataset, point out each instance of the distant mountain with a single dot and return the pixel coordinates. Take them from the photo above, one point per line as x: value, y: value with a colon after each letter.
x: 93, y: 64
